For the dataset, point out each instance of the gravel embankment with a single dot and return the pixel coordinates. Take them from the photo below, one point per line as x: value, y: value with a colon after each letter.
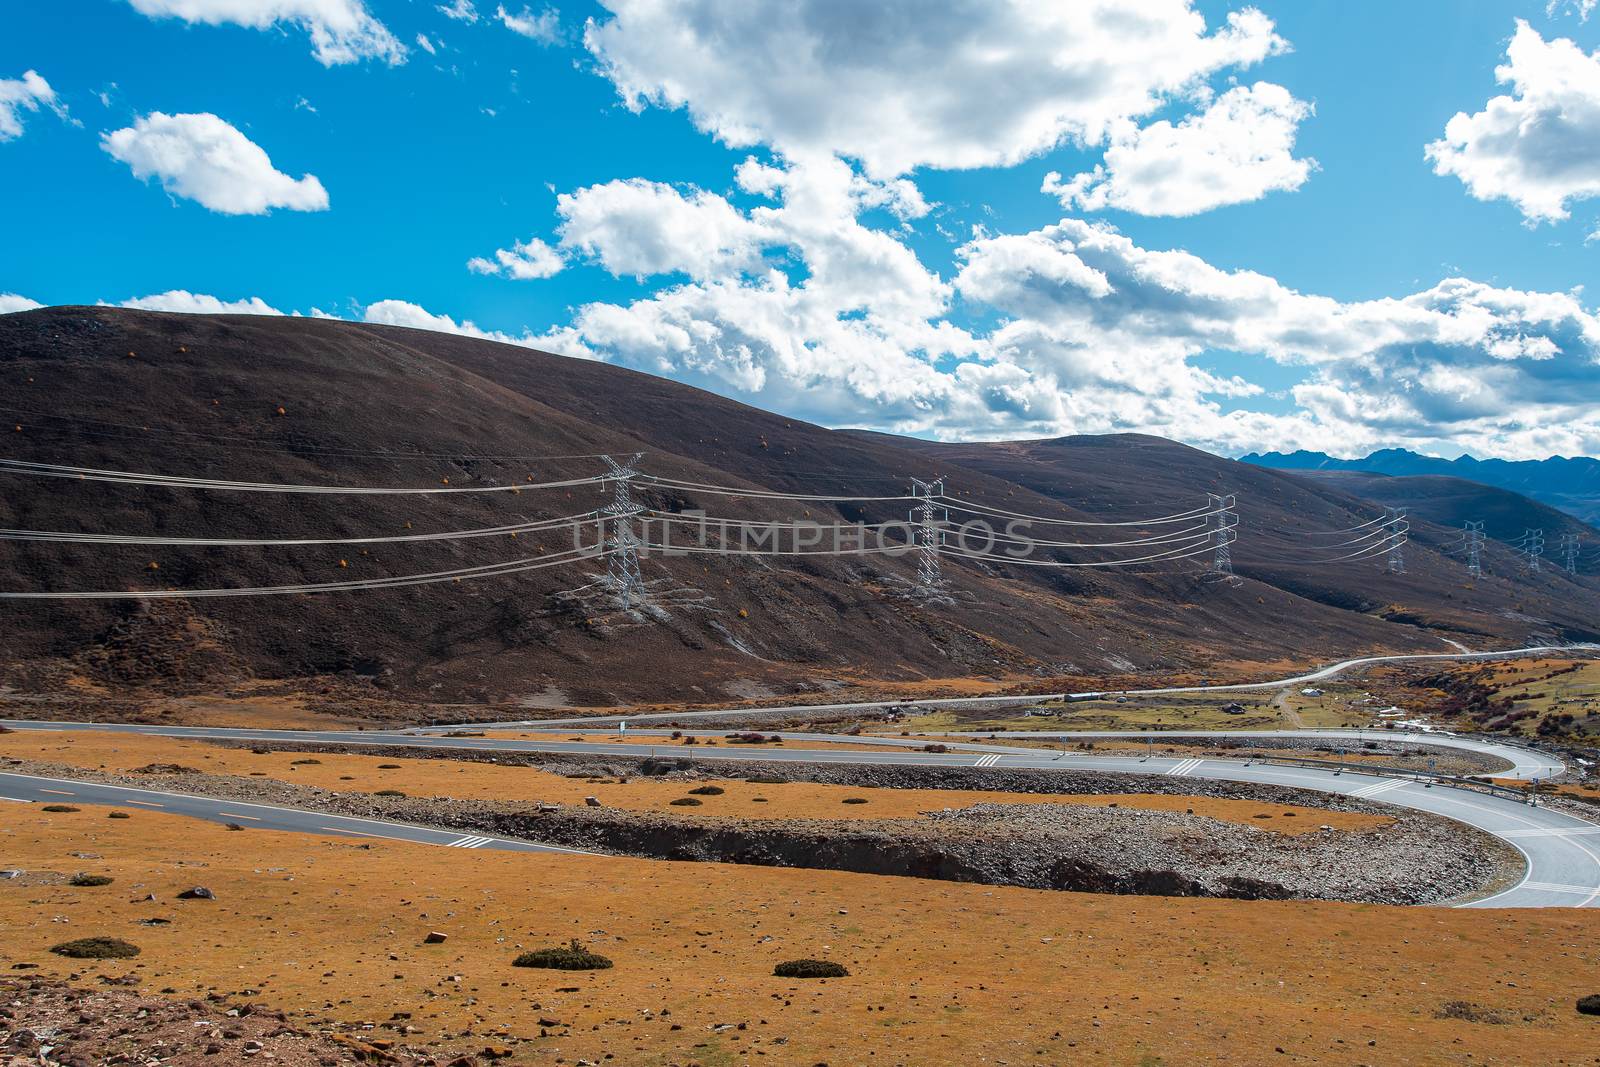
x: 1416, y: 859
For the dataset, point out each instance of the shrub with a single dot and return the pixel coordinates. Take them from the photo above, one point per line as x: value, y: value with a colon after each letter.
x: 810, y: 969
x: 708, y: 791
x: 936, y: 748
x: 388, y: 793
x: 96, y: 948
x: 388, y: 766
x: 231, y: 826
x: 304, y: 762
x: 855, y: 800
x: 119, y: 815
x: 86, y: 880
x: 685, y: 802
x: 59, y: 808
x: 574, y: 957
x: 1589, y: 1005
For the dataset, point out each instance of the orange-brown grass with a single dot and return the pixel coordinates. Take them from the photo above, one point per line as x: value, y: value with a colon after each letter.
x: 669, y: 747
x: 940, y: 972
x: 120, y: 753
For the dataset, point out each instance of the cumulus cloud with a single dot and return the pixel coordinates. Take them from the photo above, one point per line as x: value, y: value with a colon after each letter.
x: 460, y: 10
x: 901, y: 84
x: 405, y: 313
x: 342, y: 31
x: 523, y: 261
x: 11, y: 302
x: 1238, y: 149
x: 181, y: 300
x: 27, y: 93
x: 1539, y: 147
x: 204, y: 159
x: 545, y: 27
x: 637, y: 227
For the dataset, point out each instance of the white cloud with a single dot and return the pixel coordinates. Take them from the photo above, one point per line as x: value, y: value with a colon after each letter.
x: 203, y: 158
x: 637, y: 227
x: 545, y: 27
x: 461, y: 11
x: 1538, y: 147
x: 342, y: 31
x: 181, y: 300
x: 523, y: 261
x: 425, y: 44
x: 11, y: 302
x: 900, y: 84
x: 1239, y: 149
x: 27, y: 93
x: 405, y: 313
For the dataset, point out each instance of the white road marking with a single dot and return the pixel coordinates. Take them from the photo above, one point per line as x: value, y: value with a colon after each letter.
x: 1379, y: 787
x: 987, y: 761
x: 147, y: 803
x: 232, y: 815
x: 59, y: 792
x: 1186, y: 768
x: 468, y: 842
x: 1550, y: 887
x: 1552, y: 832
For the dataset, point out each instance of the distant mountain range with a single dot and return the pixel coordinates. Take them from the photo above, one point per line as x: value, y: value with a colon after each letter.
x: 1572, y: 485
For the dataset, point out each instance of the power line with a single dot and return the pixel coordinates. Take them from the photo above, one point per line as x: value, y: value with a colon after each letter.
x: 51, y: 470
x: 58, y: 537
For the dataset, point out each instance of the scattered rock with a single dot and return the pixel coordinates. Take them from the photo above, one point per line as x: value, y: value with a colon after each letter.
x: 198, y: 892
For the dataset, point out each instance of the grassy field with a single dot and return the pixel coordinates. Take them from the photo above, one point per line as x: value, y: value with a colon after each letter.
x: 940, y: 972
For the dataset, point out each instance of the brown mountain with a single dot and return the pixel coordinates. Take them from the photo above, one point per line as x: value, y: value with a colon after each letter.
x: 316, y: 402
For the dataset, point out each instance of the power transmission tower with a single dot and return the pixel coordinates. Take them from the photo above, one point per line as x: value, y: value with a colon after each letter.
x: 1532, y: 549
x: 927, y: 515
x: 1395, y: 522
x: 622, y: 566
x: 1223, y: 522
x: 1473, y: 531
x: 1569, y: 551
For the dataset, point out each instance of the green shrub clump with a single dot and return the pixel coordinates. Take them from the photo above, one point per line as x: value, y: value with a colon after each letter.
x: 388, y: 793
x: 573, y: 957
x: 707, y: 791
x: 59, y: 808
x: 685, y: 802
x: 854, y: 800
x: 810, y: 969
x: 90, y: 880
x: 96, y: 948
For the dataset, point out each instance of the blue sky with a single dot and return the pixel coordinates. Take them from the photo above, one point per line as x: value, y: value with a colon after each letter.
x: 888, y: 255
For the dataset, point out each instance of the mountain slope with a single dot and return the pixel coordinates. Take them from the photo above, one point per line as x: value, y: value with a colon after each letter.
x: 331, y: 403
x: 1570, y: 484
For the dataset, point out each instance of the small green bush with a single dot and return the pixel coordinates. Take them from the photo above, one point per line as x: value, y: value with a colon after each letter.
x: 574, y: 957
x: 119, y: 815
x: 388, y: 793
x: 96, y: 948
x: 388, y: 766
x: 685, y: 802
x: 854, y: 800
x: 304, y: 762
x: 810, y: 969
x: 707, y: 791
x: 90, y: 880
x: 59, y: 808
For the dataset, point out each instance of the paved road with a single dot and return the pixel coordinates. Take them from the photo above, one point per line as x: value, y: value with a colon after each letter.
x: 1562, y: 851
x: 1525, y: 764
x: 1318, y: 675
x: 30, y: 788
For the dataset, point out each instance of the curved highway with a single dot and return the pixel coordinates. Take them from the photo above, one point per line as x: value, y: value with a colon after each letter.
x: 1562, y: 851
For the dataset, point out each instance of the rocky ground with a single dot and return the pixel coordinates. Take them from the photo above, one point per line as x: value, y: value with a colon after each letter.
x: 44, y: 1020
x: 1412, y: 859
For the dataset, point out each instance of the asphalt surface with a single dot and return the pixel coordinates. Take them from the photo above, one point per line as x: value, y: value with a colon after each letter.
x: 30, y: 788
x: 1562, y: 851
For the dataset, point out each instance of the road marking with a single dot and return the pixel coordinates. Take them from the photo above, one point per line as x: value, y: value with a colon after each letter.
x: 468, y: 842
x: 1186, y: 768
x: 1379, y: 787
x: 147, y: 803
x: 16, y: 800
x: 987, y: 761
x: 231, y: 815
x: 1552, y: 832
x: 1551, y: 887
x: 59, y: 792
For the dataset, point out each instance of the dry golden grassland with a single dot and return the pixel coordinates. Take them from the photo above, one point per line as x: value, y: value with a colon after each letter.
x: 940, y: 972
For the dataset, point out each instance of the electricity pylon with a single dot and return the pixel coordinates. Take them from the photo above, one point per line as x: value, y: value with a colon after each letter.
x: 622, y: 566
x: 1395, y: 522
x: 1474, y: 535
x: 927, y: 515
x: 1532, y: 548
x: 1568, y: 546
x: 1223, y: 521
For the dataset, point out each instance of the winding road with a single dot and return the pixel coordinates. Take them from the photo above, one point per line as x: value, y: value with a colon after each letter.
x: 1562, y: 852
